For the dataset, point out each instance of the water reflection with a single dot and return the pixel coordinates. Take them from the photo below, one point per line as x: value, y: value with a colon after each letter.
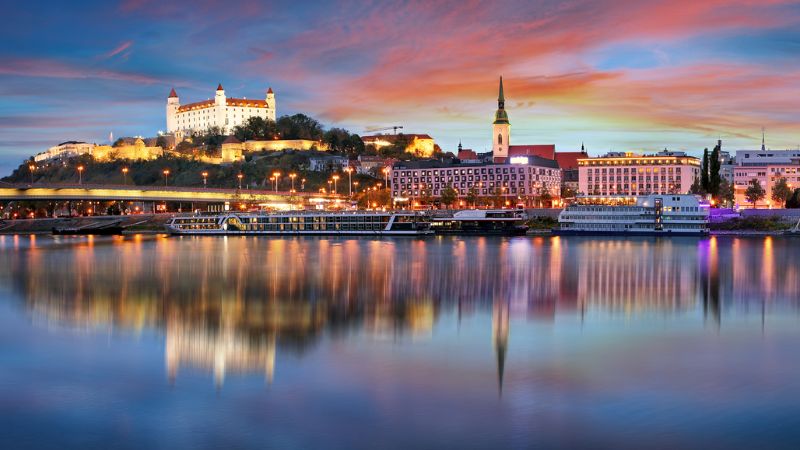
x: 228, y: 305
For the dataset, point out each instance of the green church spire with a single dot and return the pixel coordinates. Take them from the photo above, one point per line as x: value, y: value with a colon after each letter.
x: 501, y: 117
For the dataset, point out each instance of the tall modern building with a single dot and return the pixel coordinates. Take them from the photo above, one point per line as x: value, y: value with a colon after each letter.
x: 222, y: 112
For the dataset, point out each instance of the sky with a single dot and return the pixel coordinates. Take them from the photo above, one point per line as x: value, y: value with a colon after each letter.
x: 621, y: 75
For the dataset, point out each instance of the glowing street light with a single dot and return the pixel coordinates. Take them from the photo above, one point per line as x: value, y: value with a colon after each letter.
x: 277, y: 176
x: 349, y: 171
x: 240, y: 176
x: 330, y: 182
x: 386, y: 176
x: 292, y: 176
x: 335, y: 178
x: 205, y: 179
x: 125, y: 175
x: 166, y: 176
x: 31, y: 168
x: 355, y: 183
x: 303, y: 184
x: 80, y: 174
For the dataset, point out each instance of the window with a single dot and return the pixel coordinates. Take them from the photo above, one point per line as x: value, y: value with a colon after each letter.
x: 500, y: 139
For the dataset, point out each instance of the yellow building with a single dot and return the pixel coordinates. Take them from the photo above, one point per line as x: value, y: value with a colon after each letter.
x: 421, y: 145
x: 136, y: 151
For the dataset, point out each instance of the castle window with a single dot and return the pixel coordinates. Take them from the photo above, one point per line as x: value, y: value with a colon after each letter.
x: 500, y: 139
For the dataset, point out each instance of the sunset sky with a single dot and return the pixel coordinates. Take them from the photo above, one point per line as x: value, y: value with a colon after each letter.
x: 632, y: 75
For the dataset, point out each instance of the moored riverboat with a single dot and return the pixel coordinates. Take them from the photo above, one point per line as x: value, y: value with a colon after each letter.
x: 504, y: 222
x: 667, y: 214
x: 306, y: 223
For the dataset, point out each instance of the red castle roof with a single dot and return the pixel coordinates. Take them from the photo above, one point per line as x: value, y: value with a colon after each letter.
x: 173, y: 94
x: 219, y: 87
x: 269, y: 91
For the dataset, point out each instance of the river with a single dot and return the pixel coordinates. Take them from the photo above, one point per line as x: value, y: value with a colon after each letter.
x: 256, y: 342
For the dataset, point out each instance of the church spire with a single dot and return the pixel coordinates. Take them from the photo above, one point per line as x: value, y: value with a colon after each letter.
x: 501, y: 117
x: 763, y: 141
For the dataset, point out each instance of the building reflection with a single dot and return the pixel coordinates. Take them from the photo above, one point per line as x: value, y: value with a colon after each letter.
x: 232, y: 305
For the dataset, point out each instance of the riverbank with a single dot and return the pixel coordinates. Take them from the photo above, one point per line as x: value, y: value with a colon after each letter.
x: 134, y: 224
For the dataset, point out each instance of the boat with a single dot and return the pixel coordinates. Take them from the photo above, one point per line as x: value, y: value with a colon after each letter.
x: 505, y: 222
x: 667, y: 214
x: 94, y: 228
x: 303, y: 223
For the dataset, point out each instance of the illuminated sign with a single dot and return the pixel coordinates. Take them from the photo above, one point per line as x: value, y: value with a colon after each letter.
x: 519, y: 160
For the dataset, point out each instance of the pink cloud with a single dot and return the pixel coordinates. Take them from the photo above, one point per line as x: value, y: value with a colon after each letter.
x: 119, y: 49
x: 49, y: 68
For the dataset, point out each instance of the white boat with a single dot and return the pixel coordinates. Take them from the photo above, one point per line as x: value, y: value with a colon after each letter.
x: 305, y: 223
x: 668, y: 214
x: 509, y: 222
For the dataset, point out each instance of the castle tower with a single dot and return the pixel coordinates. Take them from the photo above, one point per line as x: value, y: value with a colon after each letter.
x: 219, y: 109
x: 270, y: 104
x: 501, y: 129
x: 173, y: 103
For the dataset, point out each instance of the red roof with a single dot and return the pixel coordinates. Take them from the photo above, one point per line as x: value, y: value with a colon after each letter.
x: 569, y: 160
x: 269, y: 91
x: 219, y: 87
x: 467, y: 154
x: 196, y: 105
x: 244, y: 102
x: 547, y: 151
x: 172, y: 93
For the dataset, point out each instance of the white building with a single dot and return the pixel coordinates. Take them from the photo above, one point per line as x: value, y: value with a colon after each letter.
x: 65, y: 150
x: 222, y: 112
x: 767, y: 167
x: 621, y: 173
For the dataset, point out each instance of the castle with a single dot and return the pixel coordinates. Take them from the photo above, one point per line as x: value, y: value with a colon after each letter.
x: 225, y: 113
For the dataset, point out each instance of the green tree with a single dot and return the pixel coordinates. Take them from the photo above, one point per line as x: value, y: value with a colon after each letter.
x: 725, y: 194
x: 697, y: 187
x: 714, y: 179
x: 161, y: 141
x: 299, y: 126
x: 256, y: 128
x: 472, y: 196
x: 449, y: 195
x: 704, y: 181
x: 781, y: 192
x: 342, y: 141
x: 754, y: 192
x: 794, y: 200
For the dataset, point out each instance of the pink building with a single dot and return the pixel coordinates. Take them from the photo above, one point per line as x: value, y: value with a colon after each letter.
x: 630, y: 174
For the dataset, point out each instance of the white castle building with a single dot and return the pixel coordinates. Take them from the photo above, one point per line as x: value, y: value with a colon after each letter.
x: 222, y: 112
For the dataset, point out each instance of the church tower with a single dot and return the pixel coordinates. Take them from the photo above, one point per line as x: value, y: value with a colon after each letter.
x: 501, y: 129
x: 172, y: 111
x: 220, y: 110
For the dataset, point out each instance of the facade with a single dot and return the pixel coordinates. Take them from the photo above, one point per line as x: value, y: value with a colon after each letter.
x: 222, y: 112
x: 534, y: 177
x: 327, y: 163
x: 65, y: 150
x: 135, y: 151
x: 620, y: 173
x: 276, y: 145
x: 421, y: 145
x: 766, y: 166
x: 568, y: 162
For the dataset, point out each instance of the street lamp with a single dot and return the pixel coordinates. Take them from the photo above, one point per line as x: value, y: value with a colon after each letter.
x: 386, y: 176
x: 240, y: 176
x: 166, y: 176
x: 355, y: 183
x: 125, y: 175
x: 31, y: 168
x: 349, y: 171
x: 205, y: 179
x: 303, y: 184
x: 292, y: 176
x: 335, y: 178
x: 329, y: 185
x: 277, y: 176
x: 80, y: 174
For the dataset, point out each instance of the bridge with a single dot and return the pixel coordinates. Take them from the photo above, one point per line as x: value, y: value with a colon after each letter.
x: 88, y: 192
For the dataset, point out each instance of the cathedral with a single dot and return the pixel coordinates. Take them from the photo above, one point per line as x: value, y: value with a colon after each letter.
x: 502, y: 150
x: 222, y: 112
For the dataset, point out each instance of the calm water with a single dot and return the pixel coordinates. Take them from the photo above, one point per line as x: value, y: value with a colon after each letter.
x: 154, y: 342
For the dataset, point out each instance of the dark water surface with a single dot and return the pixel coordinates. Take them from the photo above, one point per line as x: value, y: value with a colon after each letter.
x: 155, y: 342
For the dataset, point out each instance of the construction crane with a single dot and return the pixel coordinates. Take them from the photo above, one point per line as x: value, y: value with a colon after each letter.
x: 394, y: 129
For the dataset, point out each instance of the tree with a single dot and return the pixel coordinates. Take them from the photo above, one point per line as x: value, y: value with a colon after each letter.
x: 704, y: 181
x: 161, y: 141
x: 725, y: 193
x: 697, y: 187
x: 714, y: 179
x: 449, y: 195
x: 794, y: 200
x: 299, y: 126
x: 340, y: 140
x: 472, y: 196
x: 781, y: 192
x: 256, y: 128
x: 754, y: 192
